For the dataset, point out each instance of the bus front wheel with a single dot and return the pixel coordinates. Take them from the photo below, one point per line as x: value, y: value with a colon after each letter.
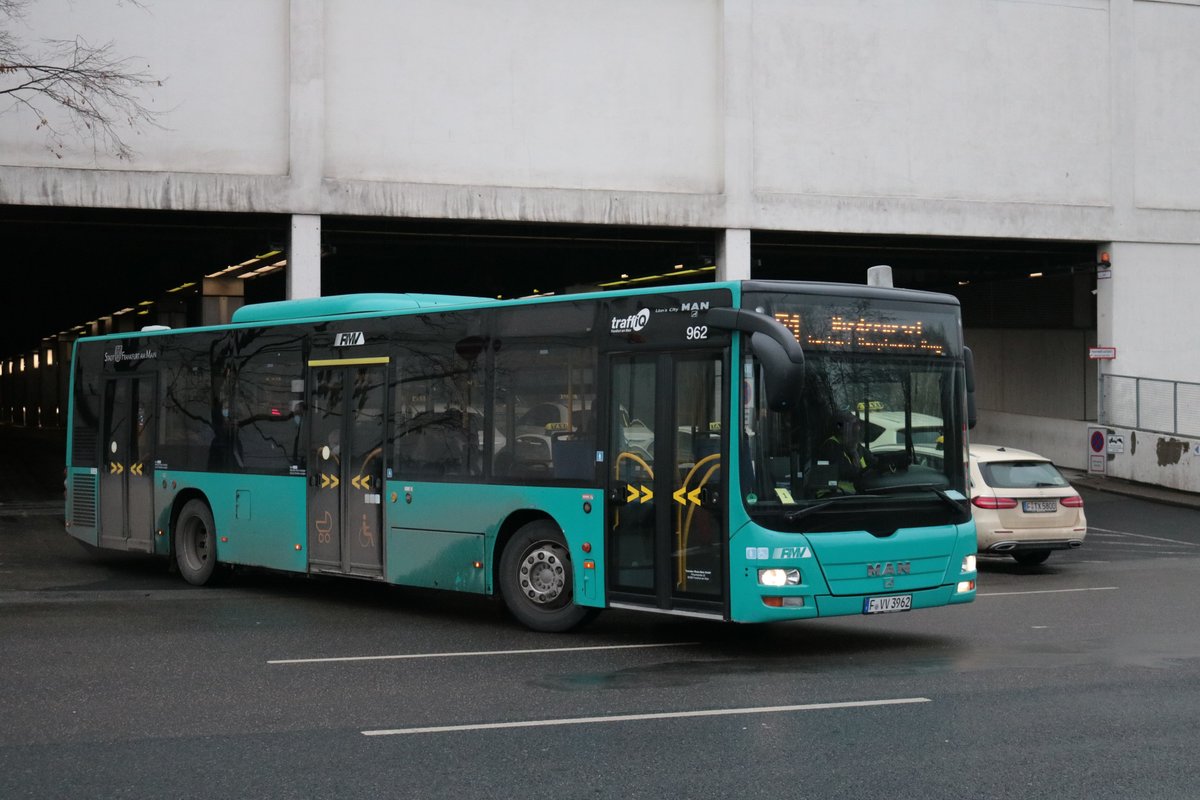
x: 536, y: 579
x: 196, y: 543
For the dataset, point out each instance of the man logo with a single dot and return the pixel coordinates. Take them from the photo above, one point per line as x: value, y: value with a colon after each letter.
x: 348, y: 339
x: 888, y: 568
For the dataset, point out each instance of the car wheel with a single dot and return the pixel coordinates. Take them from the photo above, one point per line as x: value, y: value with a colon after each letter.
x: 1031, y: 557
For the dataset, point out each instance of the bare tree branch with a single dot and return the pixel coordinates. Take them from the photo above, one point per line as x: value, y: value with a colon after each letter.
x: 100, y: 92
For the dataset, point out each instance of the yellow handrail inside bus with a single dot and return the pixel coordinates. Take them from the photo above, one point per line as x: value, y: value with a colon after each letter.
x: 682, y: 526
x: 631, y: 457
x: 617, y: 474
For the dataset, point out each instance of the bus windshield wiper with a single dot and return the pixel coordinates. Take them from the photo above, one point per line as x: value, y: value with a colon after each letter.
x: 800, y: 513
x: 925, y: 487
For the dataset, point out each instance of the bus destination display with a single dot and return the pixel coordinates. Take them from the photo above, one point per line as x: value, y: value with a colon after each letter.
x: 838, y: 331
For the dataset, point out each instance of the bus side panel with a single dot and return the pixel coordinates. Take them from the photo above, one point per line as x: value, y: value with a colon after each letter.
x: 260, y: 519
x: 83, y: 513
x: 438, y: 531
x: 437, y: 559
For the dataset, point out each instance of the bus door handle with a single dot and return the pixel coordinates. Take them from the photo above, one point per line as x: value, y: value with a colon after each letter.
x: 618, y: 493
x: 710, y: 497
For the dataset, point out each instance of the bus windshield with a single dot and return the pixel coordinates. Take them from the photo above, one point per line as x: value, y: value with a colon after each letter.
x: 879, y: 422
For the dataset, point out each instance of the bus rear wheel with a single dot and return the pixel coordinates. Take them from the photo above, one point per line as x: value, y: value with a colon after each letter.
x: 536, y: 579
x: 196, y: 543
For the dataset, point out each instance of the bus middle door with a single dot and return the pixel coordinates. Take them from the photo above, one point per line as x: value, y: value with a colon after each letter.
x: 345, y: 476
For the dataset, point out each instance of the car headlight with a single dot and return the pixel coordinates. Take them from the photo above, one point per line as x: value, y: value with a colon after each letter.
x: 968, y: 564
x: 779, y: 577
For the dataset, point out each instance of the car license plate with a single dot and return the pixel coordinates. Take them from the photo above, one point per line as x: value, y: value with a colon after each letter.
x: 1039, y: 506
x: 885, y: 605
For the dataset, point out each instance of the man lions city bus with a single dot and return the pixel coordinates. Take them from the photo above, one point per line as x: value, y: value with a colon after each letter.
x: 665, y: 451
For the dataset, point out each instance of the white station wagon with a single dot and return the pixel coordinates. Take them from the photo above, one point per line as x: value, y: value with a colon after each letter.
x: 1023, y: 506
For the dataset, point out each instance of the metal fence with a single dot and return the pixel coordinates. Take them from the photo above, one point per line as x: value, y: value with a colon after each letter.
x: 1147, y: 404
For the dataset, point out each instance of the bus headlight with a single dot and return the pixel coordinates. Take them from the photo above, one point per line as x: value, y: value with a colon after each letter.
x: 968, y: 564
x: 779, y: 577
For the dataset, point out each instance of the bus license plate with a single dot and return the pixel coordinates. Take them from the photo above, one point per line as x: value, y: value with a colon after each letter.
x: 885, y: 605
x: 1039, y: 506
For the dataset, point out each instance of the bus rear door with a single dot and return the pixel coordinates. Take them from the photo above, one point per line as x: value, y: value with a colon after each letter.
x: 666, y: 450
x: 127, y: 463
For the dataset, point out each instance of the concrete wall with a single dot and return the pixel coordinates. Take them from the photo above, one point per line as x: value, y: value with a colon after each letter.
x: 223, y: 102
x: 1147, y: 310
x: 1043, y: 373
x: 1155, y: 458
x: 1152, y: 458
x: 1065, y: 442
x: 1064, y: 120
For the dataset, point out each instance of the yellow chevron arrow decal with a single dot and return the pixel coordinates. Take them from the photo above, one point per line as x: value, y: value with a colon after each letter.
x: 694, y: 496
x: 647, y: 495
x: 633, y: 494
x: 324, y: 480
x: 680, y: 496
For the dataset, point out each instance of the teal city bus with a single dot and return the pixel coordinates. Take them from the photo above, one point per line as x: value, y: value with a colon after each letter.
x: 657, y: 450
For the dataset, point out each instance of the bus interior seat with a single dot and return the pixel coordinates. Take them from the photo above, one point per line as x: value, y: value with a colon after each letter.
x: 573, y: 457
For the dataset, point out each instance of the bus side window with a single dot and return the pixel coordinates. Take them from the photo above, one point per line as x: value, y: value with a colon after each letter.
x: 438, y: 416
x: 544, y: 405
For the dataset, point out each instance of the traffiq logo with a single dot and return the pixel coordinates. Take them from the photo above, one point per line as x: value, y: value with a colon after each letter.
x: 634, y: 322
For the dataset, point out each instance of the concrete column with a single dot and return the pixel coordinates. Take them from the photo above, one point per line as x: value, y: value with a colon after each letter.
x: 306, y: 155
x: 737, y: 57
x: 306, y: 118
x: 220, y: 298
x: 304, y: 257
x: 733, y: 255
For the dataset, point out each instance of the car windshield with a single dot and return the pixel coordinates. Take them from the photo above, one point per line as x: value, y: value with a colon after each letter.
x: 1021, y: 475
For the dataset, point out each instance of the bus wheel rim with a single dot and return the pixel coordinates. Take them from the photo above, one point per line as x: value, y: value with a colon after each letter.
x: 197, y: 543
x: 543, y: 573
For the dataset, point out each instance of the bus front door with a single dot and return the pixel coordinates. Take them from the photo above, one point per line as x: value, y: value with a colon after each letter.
x: 127, y: 467
x: 667, y: 538
x: 345, y: 466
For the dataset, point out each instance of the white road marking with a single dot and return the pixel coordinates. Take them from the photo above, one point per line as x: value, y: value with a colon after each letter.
x: 1140, y: 536
x: 469, y: 653
x: 1048, y: 591
x: 716, y: 712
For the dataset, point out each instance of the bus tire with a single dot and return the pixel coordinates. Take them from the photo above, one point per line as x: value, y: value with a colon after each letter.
x: 536, y: 579
x: 195, y: 543
x: 1030, y: 558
